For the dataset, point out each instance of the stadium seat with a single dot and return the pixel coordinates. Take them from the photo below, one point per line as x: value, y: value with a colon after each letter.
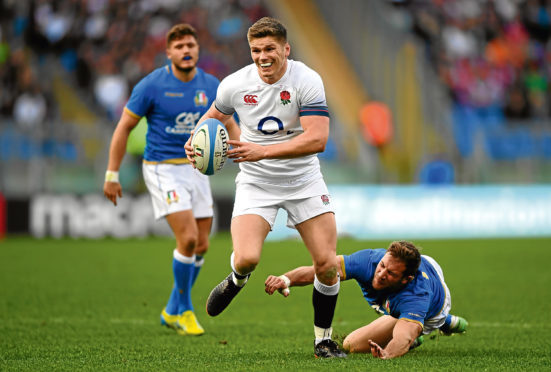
x: 330, y: 153
x: 6, y: 145
x: 546, y: 146
x: 437, y: 172
x: 510, y: 144
x: 464, y: 121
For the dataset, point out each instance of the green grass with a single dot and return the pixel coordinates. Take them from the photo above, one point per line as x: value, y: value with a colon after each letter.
x: 70, y: 305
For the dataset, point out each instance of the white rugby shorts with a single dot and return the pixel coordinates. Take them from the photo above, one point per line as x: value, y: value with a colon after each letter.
x: 302, y: 202
x: 178, y: 187
x: 437, y: 321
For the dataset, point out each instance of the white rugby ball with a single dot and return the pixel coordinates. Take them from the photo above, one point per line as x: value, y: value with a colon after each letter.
x: 210, y: 145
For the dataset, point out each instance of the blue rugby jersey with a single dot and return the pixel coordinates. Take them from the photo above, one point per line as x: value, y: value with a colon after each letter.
x: 420, y: 299
x: 172, y: 108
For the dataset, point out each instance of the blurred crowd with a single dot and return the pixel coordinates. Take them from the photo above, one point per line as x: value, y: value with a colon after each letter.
x: 492, y: 54
x: 106, y: 46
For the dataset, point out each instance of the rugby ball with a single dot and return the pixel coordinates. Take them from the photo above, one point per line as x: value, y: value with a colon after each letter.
x: 210, y: 145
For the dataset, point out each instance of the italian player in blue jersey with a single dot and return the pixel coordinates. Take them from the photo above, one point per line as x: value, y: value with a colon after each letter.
x: 405, y: 287
x: 172, y: 98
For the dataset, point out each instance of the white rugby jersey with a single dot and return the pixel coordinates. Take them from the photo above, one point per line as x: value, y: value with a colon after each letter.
x: 269, y: 114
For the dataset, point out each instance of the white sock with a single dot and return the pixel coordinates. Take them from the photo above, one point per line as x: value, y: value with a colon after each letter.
x: 322, y: 334
x: 240, y: 282
x: 454, y: 322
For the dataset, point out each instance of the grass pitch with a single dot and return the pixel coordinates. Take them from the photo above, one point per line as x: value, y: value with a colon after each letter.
x: 95, y: 304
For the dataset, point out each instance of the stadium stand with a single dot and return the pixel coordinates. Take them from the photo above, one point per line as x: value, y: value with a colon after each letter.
x: 67, y: 68
x: 465, y: 81
x: 463, y: 78
x: 493, y: 58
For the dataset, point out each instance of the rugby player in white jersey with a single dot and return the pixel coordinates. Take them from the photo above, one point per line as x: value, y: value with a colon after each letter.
x: 284, y: 123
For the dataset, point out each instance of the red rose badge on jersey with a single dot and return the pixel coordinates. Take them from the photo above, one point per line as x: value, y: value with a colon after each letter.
x: 285, y: 97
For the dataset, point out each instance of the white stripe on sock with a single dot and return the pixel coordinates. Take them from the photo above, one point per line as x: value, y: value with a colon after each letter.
x: 328, y: 290
x: 183, y: 259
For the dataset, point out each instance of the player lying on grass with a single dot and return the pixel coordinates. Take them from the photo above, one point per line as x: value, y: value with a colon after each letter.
x: 407, y: 288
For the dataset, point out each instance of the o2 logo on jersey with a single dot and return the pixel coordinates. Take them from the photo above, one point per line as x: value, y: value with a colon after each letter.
x: 185, y: 122
x: 270, y: 122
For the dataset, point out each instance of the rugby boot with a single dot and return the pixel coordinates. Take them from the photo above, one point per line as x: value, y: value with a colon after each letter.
x: 189, y: 325
x: 221, y: 296
x: 328, y: 349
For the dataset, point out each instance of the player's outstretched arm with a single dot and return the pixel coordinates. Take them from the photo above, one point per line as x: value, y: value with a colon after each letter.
x: 112, y: 187
x: 301, y: 276
x: 404, y: 333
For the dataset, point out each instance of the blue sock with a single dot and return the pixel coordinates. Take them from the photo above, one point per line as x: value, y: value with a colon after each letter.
x: 446, y: 327
x: 199, y: 260
x: 180, y: 298
x: 173, y: 301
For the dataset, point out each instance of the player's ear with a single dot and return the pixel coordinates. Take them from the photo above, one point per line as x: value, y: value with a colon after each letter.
x: 407, y: 279
x: 287, y: 50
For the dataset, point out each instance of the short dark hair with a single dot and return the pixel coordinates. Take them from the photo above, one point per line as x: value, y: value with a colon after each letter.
x: 179, y: 31
x: 267, y: 26
x: 408, y: 253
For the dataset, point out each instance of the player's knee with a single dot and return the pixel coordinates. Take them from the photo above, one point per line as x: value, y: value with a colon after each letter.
x: 346, y: 345
x: 326, y: 271
x: 187, y: 244
x: 202, y: 248
x: 245, y: 263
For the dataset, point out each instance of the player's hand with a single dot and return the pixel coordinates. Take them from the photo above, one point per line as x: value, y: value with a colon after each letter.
x: 377, y: 351
x: 190, y: 152
x: 111, y: 190
x: 245, y: 151
x: 275, y: 283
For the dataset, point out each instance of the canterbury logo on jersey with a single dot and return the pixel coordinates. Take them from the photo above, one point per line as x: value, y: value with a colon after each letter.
x: 250, y: 99
x: 185, y: 122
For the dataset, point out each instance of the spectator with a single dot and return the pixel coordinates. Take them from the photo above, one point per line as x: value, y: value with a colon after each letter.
x: 482, y: 51
x: 517, y: 106
x: 30, y: 108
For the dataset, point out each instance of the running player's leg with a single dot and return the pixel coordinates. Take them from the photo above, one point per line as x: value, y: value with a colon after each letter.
x: 168, y: 187
x: 320, y: 237
x: 379, y: 331
x: 204, y: 226
x: 185, y: 231
x: 248, y: 234
x: 202, y: 202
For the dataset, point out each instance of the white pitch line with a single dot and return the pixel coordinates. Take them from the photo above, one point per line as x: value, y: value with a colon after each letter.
x: 142, y: 321
x: 508, y: 325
